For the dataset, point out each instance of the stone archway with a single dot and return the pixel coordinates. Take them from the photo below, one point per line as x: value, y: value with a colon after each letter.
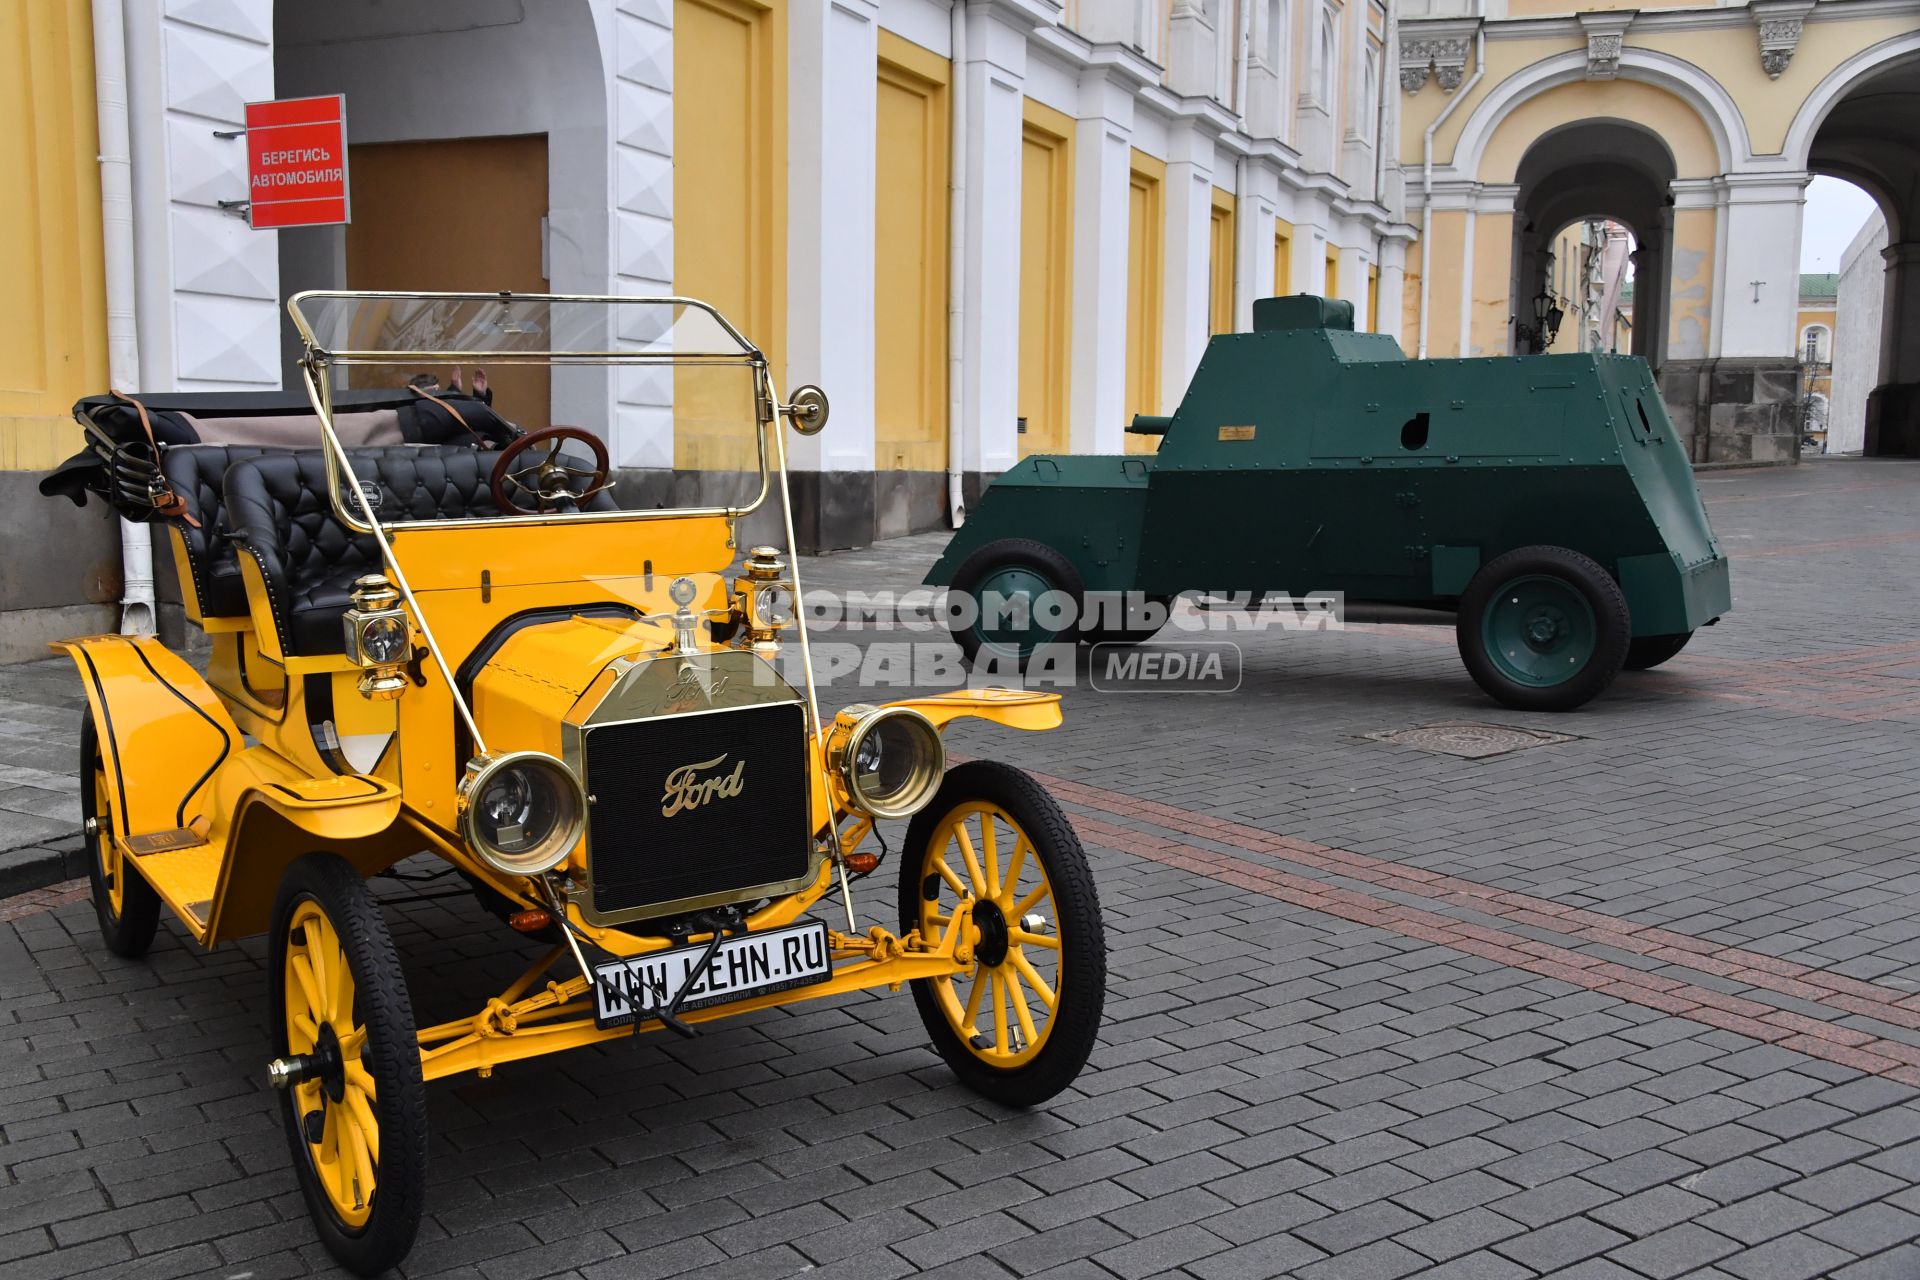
x: 1864, y: 125
x: 1604, y: 168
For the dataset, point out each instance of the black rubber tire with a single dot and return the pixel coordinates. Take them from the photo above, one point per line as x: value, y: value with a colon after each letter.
x: 128, y: 933
x: 1038, y: 556
x: 1612, y: 621
x: 1647, y: 652
x: 391, y: 1056
x: 1082, y: 996
x: 1134, y: 632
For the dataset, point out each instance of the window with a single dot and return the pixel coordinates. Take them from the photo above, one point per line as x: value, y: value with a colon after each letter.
x: 1815, y: 347
x: 1327, y: 72
x: 1370, y: 104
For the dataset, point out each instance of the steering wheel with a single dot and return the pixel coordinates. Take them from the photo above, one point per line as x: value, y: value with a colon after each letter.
x: 547, y: 479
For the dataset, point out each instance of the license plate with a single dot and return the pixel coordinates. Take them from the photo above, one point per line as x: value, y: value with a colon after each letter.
x: 752, y: 964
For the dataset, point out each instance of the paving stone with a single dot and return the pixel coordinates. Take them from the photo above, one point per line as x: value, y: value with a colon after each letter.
x: 1868, y: 1229
x: 1674, y: 1251
x: 1791, y: 1257
x: 1560, y: 1245
x: 1279, y: 1073
x: 1459, y: 1234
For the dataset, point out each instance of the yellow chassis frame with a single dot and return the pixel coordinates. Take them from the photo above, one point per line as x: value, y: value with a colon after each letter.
x: 524, y: 1023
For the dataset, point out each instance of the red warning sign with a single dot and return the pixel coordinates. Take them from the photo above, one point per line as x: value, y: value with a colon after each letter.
x: 297, y: 162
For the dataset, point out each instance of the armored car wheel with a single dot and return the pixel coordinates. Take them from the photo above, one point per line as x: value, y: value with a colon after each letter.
x: 1019, y: 597
x: 347, y: 1060
x: 1647, y: 652
x: 1543, y: 629
x: 1020, y: 1025
x: 128, y: 907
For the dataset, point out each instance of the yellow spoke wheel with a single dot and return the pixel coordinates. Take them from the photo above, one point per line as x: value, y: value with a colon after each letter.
x: 127, y: 906
x: 1020, y: 1021
x: 355, y: 1109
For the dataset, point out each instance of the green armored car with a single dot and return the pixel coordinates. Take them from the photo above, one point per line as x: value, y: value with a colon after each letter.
x: 1539, y: 504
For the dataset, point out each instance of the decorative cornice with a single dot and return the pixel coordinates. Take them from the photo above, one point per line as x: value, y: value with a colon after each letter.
x: 1778, y: 22
x: 1438, y: 48
x: 1606, y: 33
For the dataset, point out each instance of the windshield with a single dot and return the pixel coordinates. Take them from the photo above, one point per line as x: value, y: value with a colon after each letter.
x: 528, y: 407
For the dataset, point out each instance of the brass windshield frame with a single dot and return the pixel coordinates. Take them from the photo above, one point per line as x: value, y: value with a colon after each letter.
x: 768, y: 412
x: 318, y: 359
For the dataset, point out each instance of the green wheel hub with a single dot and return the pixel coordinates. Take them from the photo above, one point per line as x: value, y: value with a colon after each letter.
x: 1009, y: 601
x: 1539, y: 630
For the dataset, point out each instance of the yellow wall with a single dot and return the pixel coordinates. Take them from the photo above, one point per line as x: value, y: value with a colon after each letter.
x: 729, y: 187
x: 910, y: 259
x: 1146, y: 236
x: 1282, y: 257
x: 1220, y: 299
x: 1680, y: 127
x: 1046, y: 277
x: 1373, y: 299
x: 1333, y: 272
x: 53, y: 330
x: 1690, y: 298
x: 1492, y: 279
x: 1443, y: 291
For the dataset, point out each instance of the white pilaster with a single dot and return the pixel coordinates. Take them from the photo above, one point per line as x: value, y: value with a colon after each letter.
x: 209, y: 286
x: 1352, y: 276
x: 831, y: 94
x: 1758, y: 285
x: 1103, y: 141
x: 1900, y: 315
x: 1188, y: 273
x: 642, y: 256
x: 995, y: 76
x: 1393, y: 287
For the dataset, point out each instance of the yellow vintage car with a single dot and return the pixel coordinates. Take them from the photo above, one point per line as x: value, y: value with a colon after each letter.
x: 436, y: 632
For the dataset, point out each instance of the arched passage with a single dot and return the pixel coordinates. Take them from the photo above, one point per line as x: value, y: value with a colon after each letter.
x: 1595, y: 169
x: 1863, y: 125
x: 464, y: 109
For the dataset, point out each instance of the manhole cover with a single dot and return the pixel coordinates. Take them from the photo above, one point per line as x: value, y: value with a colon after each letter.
x: 1474, y: 741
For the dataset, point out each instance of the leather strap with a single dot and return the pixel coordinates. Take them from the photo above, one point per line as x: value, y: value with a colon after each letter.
x: 450, y: 409
x: 165, y: 501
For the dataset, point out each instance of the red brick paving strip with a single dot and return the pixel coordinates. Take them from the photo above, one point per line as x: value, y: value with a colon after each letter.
x: 1810, y: 1036
x: 34, y: 901
x: 1783, y: 977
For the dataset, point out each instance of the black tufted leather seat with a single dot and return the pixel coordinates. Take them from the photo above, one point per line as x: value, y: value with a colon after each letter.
x: 198, y: 474
x: 278, y: 511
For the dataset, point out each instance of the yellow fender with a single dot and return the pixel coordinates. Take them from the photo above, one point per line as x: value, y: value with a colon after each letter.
x: 164, y: 735
x: 1014, y: 708
x: 212, y: 822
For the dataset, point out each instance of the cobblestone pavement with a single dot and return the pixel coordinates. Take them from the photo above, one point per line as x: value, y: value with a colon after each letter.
x: 1645, y: 1003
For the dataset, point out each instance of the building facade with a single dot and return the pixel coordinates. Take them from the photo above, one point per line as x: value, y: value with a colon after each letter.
x: 1696, y: 126
x: 1858, y: 306
x: 987, y: 227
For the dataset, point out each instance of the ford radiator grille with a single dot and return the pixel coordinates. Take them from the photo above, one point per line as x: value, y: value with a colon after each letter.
x: 696, y: 806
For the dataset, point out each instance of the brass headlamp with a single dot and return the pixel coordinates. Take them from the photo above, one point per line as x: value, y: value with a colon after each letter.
x: 378, y: 637
x: 889, y: 760
x: 765, y: 601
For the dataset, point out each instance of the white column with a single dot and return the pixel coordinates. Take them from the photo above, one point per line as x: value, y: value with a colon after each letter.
x: 1758, y: 285
x: 1393, y: 287
x: 1310, y: 256
x: 1352, y: 275
x: 642, y: 249
x: 1253, y: 274
x: 833, y: 48
x: 1188, y: 259
x: 1103, y: 141
x: 995, y: 75
x: 209, y: 287
x: 1900, y: 316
